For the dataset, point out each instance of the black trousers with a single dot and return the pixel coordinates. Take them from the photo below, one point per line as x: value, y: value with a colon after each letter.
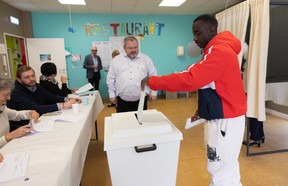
x: 256, y: 129
x: 127, y: 106
x: 94, y: 81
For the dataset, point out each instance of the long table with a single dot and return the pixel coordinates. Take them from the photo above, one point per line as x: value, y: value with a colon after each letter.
x: 57, y: 157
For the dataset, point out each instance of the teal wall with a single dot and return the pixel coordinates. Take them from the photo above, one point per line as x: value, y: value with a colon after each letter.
x: 161, y: 49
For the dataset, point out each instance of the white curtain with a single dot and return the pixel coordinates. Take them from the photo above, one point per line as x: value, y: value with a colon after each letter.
x: 257, y: 59
x: 235, y: 20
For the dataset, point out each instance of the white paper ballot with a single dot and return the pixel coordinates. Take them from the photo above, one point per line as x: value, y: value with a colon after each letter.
x: 190, y: 124
x: 43, y: 126
x: 84, y: 88
x: 140, y: 107
x: 14, y: 166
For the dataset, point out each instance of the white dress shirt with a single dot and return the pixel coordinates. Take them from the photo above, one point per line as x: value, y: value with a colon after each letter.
x: 13, y: 115
x: 125, y: 75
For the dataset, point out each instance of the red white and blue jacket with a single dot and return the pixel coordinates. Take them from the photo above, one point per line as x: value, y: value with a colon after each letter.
x: 217, y: 76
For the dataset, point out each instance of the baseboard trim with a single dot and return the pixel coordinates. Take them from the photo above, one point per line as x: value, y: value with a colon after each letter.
x: 276, y: 113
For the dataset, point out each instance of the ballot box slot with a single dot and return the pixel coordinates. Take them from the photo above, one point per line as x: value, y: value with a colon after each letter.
x: 137, y: 119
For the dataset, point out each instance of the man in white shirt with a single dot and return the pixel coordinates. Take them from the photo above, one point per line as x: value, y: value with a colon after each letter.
x: 125, y: 74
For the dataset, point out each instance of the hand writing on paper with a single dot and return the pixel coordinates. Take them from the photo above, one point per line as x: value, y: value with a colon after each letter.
x: 144, y: 82
x: 19, y: 132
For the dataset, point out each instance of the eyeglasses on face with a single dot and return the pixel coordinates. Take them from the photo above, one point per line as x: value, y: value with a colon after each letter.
x: 94, y: 50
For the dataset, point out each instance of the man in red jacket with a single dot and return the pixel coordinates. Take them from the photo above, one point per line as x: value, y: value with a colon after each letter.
x: 221, y: 97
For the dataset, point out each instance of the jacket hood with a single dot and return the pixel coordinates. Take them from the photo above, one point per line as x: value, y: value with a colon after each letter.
x: 228, y: 38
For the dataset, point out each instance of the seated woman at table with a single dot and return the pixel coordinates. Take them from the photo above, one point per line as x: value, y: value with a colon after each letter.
x: 7, y: 114
x: 48, y: 81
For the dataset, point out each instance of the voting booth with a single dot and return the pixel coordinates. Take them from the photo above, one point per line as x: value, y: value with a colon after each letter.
x: 143, y: 153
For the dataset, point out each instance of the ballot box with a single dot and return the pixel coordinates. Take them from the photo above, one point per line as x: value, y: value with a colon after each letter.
x: 142, y: 154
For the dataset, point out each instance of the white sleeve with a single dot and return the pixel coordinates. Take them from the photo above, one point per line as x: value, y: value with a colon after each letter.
x: 15, y: 115
x: 2, y: 141
x: 151, y: 72
x: 111, y: 79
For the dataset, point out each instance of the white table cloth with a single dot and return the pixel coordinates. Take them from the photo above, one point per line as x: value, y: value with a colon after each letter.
x: 57, y: 157
x: 277, y: 92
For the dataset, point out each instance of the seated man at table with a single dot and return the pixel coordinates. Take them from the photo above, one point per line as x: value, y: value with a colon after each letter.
x: 29, y: 95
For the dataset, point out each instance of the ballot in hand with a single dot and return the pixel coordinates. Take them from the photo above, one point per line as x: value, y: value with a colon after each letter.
x: 144, y: 82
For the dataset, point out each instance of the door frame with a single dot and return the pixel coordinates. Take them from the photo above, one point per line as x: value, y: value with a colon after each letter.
x: 10, y: 66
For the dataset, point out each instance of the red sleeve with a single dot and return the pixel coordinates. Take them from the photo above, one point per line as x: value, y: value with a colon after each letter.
x: 209, y: 69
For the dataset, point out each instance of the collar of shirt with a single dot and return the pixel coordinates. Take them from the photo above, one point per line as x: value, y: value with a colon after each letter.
x: 137, y: 57
x: 34, y: 88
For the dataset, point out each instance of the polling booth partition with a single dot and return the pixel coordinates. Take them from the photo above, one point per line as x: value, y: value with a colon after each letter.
x: 143, y: 153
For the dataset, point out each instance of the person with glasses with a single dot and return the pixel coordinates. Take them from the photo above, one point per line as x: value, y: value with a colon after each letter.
x: 7, y: 115
x: 93, y: 65
x: 29, y: 95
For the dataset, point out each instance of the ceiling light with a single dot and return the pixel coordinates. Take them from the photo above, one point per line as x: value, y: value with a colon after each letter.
x: 172, y: 2
x: 72, y: 2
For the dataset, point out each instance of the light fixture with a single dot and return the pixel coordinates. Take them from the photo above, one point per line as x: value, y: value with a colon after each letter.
x: 172, y: 2
x: 14, y: 20
x: 72, y: 2
x: 180, y: 51
x: 70, y: 29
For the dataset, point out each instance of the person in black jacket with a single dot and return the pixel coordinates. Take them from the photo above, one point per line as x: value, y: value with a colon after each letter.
x: 93, y: 65
x: 48, y: 81
x: 29, y: 95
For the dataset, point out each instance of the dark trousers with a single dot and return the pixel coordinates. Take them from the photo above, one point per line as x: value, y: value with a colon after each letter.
x: 94, y: 81
x: 127, y: 106
x: 256, y: 129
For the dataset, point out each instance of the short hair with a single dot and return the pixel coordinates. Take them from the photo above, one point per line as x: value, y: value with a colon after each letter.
x: 48, y: 69
x: 115, y: 53
x: 129, y: 38
x: 207, y: 18
x: 6, y: 84
x: 22, y: 69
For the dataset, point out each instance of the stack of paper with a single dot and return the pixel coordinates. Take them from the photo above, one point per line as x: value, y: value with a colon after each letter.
x: 14, y: 166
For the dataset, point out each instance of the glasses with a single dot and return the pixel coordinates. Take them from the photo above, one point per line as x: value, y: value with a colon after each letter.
x: 7, y: 95
x: 94, y: 50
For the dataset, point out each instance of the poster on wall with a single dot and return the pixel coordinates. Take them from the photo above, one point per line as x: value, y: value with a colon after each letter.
x: 105, y: 48
x: 45, y: 57
x: 103, y: 52
x: 2, y: 49
x: 75, y: 57
x: 76, y: 61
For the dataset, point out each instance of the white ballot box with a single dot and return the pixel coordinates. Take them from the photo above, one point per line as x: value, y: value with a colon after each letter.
x: 142, y: 154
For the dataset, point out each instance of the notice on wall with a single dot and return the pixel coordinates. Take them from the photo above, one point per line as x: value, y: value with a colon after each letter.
x: 2, y: 49
x: 104, y: 51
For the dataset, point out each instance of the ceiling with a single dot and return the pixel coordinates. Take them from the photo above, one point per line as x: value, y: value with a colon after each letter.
x: 123, y: 6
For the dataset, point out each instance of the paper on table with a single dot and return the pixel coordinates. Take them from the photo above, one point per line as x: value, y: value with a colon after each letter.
x: 14, y: 166
x: 69, y: 118
x: 43, y: 126
x: 84, y: 88
x: 140, y: 107
x: 190, y: 124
